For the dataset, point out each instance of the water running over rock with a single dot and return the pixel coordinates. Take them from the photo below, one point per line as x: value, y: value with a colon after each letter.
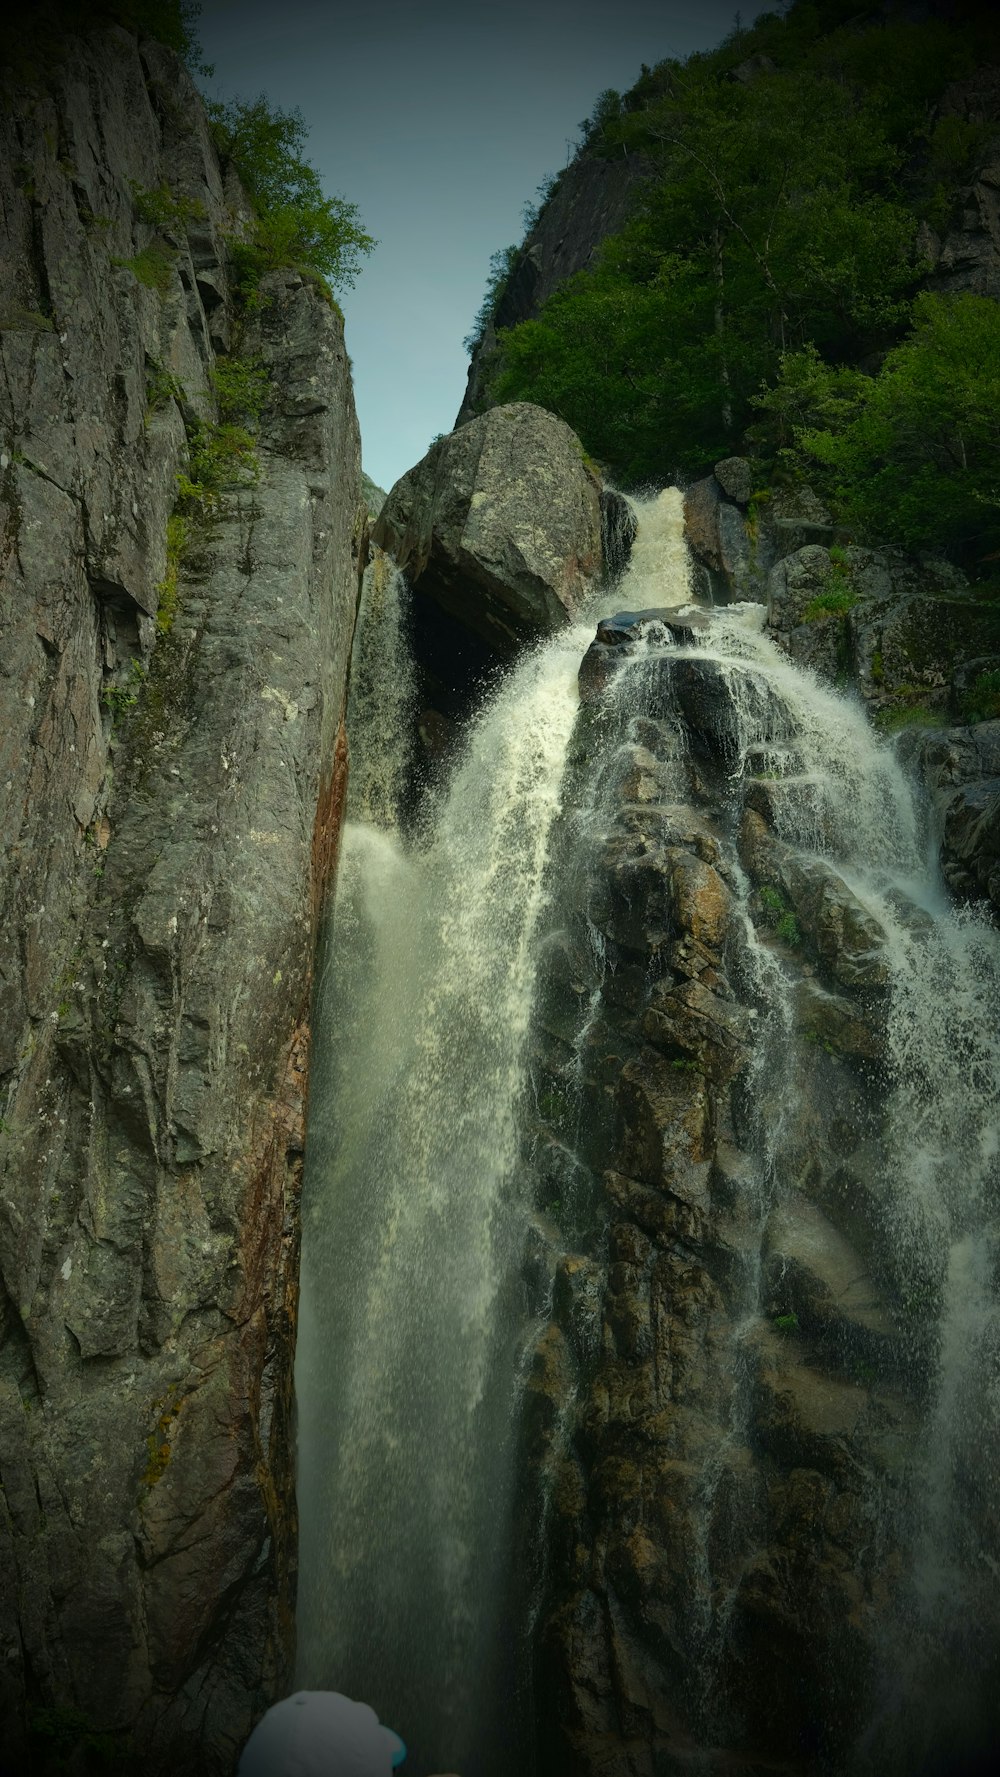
x: 655, y: 1148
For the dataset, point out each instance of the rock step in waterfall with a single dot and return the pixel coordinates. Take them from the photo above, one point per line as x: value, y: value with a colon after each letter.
x: 649, y: 1278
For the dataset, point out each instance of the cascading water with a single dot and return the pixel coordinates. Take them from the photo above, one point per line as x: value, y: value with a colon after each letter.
x: 413, y: 1224
x: 417, y: 1200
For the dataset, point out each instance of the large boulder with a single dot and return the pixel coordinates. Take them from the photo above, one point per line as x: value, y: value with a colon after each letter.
x: 499, y: 526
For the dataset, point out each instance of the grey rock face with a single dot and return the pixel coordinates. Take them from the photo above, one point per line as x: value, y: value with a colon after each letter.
x: 734, y: 476
x: 960, y: 768
x: 718, y: 533
x: 913, y: 641
x: 170, y: 803
x: 902, y: 630
x: 499, y: 525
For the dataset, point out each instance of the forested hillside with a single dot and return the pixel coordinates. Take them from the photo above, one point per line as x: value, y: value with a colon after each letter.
x: 783, y: 287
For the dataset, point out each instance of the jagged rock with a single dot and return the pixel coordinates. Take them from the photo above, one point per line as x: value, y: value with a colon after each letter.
x: 904, y: 630
x: 624, y: 628
x: 710, y: 1032
x: 499, y: 525
x: 701, y: 901
x: 736, y: 1425
x: 793, y: 806
x: 960, y: 768
x: 159, y: 922
x: 704, y: 693
x: 666, y: 1127
x: 850, y: 943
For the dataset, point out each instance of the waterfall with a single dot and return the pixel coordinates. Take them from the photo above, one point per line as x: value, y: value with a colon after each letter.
x: 475, y: 993
x: 413, y: 1222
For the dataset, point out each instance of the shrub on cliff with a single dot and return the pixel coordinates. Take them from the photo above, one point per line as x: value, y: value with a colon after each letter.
x: 792, y: 166
x: 295, y: 223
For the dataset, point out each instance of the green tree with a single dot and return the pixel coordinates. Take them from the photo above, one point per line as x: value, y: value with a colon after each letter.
x: 771, y: 222
x: 295, y: 223
x: 915, y: 459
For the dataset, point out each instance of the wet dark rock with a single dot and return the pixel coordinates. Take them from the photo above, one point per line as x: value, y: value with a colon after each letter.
x: 847, y: 939
x: 706, y: 1031
x: 623, y: 631
x: 836, y: 1025
x: 960, y: 768
x: 618, y: 530
x: 704, y: 693
x: 812, y: 1273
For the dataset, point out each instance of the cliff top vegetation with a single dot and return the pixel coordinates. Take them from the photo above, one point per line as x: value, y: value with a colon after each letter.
x: 295, y: 223
x: 769, y: 291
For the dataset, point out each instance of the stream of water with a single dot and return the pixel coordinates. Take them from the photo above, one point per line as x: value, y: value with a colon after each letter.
x: 415, y: 1207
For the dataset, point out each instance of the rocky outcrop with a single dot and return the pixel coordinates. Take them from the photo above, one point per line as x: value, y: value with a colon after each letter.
x: 716, y: 1399
x: 900, y: 629
x: 737, y: 531
x: 499, y: 529
x: 592, y: 198
x: 915, y: 642
x: 963, y: 254
x: 960, y: 769
x: 171, y: 780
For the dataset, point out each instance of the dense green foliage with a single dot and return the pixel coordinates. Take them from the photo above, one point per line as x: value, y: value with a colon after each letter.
x: 912, y: 455
x: 775, y: 247
x: 295, y: 223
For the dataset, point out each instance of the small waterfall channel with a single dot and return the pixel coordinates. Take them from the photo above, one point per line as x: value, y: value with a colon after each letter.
x: 449, y: 942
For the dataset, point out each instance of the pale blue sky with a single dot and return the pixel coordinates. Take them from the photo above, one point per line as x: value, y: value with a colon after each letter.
x: 439, y: 120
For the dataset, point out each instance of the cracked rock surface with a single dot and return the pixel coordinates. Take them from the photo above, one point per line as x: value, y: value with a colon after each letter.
x: 169, y: 799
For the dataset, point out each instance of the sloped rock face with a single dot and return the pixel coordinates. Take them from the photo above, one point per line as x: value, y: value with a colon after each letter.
x: 592, y: 198
x: 499, y: 528
x: 715, y: 1414
x: 171, y: 806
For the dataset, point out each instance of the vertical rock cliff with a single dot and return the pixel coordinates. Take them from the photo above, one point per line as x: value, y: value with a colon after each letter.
x: 173, y: 764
